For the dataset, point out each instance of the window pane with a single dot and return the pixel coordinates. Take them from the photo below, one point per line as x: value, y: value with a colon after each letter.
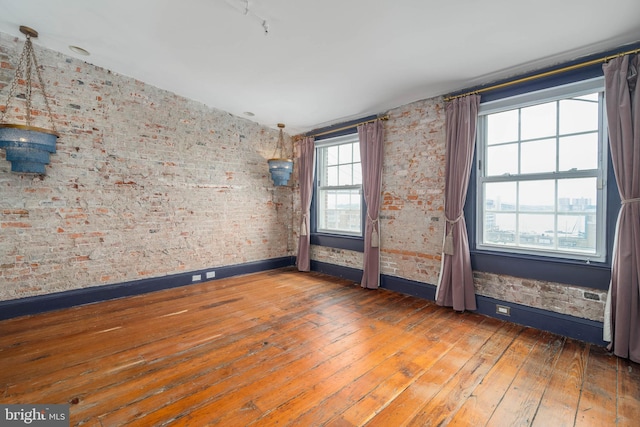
x: 537, y: 196
x: 500, y: 228
x: 577, y: 195
x: 357, y: 174
x: 346, y: 172
x: 343, y: 200
x: 500, y: 196
x: 332, y: 176
x: 537, y: 230
x: 346, y: 151
x: 579, y: 152
x: 332, y: 155
x: 502, y: 127
x: 538, y: 156
x: 579, y: 114
x: 340, y: 211
x: 538, y: 121
x: 502, y: 160
x: 577, y: 232
x: 356, y: 153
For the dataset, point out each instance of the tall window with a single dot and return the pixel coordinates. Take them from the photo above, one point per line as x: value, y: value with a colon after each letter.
x: 339, y: 201
x: 541, y: 171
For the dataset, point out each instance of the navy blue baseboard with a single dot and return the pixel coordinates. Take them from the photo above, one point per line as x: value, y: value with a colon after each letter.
x: 348, y: 273
x: 409, y: 287
x: 562, y: 324
x: 569, y: 326
x: 75, y: 297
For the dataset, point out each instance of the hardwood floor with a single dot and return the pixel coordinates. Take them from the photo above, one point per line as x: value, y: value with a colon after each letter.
x: 288, y: 348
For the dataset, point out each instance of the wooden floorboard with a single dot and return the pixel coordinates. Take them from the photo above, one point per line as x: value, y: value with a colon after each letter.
x: 305, y: 349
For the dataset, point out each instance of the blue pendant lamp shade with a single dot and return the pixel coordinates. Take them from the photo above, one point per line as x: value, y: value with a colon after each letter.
x: 27, y: 147
x: 280, y: 168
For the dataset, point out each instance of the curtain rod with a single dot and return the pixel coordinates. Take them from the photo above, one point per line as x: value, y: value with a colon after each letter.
x: 541, y: 75
x: 353, y: 125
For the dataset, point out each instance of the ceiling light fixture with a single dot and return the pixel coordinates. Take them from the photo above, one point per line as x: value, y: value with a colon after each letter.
x: 27, y: 147
x: 279, y: 167
x: 79, y: 50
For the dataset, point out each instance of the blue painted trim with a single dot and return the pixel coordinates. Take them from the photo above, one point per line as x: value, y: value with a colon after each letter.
x: 594, y: 275
x: 409, y: 287
x: 583, y: 73
x: 350, y: 127
x: 339, y: 242
x: 562, y: 324
x: 59, y: 300
x: 569, y: 326
x: 348, y: 273
x: 352, y: 243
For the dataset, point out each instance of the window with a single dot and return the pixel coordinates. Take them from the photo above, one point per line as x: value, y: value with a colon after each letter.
x: 338, y: 197
x: 541, y: 173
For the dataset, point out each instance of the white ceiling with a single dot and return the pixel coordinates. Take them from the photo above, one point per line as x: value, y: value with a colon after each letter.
x: 323, y: 61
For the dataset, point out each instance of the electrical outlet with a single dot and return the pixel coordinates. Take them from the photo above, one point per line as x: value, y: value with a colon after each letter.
x: 211, y: 274
x: 503, y: 309
x: 196, y: 277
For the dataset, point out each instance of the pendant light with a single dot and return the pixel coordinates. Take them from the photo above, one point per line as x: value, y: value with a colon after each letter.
x: 280, y: 168
x: 27, y: 147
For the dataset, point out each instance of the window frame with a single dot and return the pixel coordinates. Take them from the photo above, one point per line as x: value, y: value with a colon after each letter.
x: 349, y: 241
x: 520, y: 101
x: 595, y: 275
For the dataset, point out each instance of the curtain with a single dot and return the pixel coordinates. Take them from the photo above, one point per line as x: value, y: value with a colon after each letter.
x: 622, y: 98
x: 455, y: 284
x: 306, y: 166
x: 370, y: 136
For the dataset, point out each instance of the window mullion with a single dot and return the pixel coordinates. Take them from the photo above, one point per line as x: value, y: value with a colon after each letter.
x: 340, y: 187
x: 519, y: 141
x: 555, y: 214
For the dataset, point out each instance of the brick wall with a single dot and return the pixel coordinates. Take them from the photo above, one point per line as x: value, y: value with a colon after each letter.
x: 412, y: 216
x: 144, y: 184
x: 412, y: 219
x: 341, y: 257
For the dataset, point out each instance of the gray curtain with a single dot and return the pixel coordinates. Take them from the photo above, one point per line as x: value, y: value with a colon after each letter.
x: 622, y: 317
x: 370, y: 136
x: 455, y: 285
x: 306, y: 166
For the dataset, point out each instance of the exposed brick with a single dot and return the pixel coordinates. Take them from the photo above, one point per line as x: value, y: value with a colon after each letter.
x: 20, y: 212
x: 15, y: 224
x: 133, y: 158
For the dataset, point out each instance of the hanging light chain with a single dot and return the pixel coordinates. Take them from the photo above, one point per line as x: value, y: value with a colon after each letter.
x: 14, y: 83
x: 28, y: 47
x: 28, y: 56
x: 280, y: 144
x: 41, y: 81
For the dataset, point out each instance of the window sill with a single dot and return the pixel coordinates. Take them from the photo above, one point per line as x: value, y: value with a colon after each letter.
x: 351, y: 243
x: 593, y: 275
